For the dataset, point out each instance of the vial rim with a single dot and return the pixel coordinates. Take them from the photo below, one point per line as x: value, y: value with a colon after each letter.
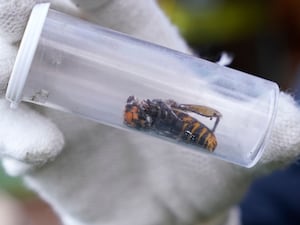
x: 26, y: 53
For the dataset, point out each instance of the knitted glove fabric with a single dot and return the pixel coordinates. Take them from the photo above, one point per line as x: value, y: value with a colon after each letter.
x: 109, y: 176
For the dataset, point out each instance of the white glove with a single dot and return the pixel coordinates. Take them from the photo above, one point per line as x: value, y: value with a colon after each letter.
x: 108, y: 176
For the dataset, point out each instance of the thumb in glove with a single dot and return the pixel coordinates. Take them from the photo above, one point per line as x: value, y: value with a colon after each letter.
x: 27, y: 138
x: 130, y: 182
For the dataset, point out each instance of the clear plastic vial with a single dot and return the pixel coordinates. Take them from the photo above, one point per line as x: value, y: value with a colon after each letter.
x: 78, y: 67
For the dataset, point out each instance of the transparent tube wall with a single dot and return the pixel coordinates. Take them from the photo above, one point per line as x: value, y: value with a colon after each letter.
x: 90, y: 71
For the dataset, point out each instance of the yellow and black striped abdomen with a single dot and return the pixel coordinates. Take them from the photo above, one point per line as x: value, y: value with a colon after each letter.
x: 195, y: 132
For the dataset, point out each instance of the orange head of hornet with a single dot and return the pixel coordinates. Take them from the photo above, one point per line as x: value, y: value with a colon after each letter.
x: 135, y: 113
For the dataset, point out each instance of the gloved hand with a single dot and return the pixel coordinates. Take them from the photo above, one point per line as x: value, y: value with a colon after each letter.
x: 108, y: 176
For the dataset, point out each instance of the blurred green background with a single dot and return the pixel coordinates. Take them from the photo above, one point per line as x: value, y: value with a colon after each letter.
x: 13, y: 186
x: 214, y: 22
x: 262, y: 35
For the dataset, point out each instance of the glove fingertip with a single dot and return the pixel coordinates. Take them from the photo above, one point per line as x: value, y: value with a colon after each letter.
x: 7, y: 58
x: 14, y: 167
x: 27, y: 136
x: 284, y: 144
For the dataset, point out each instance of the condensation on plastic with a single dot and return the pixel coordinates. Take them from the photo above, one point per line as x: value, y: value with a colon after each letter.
x: 90, y: 71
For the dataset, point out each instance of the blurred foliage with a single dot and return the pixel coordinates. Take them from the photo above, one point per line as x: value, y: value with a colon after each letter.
x: 216, y: 21
x: 13, y: 185
x: 263, y: 35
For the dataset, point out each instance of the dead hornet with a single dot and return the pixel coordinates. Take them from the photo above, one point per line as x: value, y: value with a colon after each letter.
x: 171, y: 119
